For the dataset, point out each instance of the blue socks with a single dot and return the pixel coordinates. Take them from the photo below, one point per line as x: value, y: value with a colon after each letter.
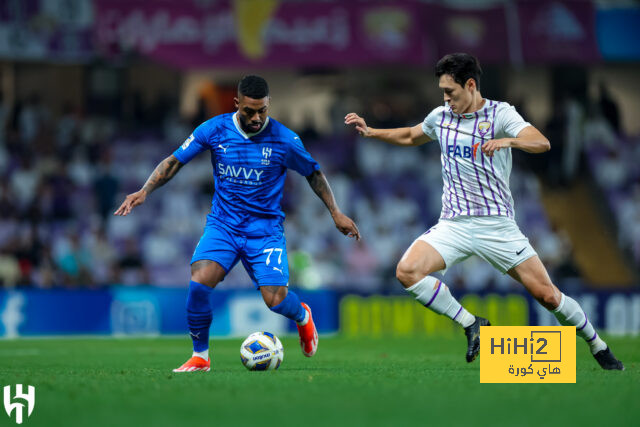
x: 290, y: 307
x: 199, y: 315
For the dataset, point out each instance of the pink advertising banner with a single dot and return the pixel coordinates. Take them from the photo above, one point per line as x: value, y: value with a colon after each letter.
x: 272, y: 33
x: 262, y: 33
x: 481, y: 32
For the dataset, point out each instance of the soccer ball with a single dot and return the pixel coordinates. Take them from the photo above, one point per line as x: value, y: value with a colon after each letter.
x: 261, y: 351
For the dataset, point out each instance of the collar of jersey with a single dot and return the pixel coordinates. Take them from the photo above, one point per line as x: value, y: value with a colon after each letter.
x: 243, y: 133
x: 471, y: 115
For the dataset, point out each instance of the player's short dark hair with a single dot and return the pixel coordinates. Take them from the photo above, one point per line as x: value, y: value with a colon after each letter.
x: 254, y: 87
x: 461, y: 66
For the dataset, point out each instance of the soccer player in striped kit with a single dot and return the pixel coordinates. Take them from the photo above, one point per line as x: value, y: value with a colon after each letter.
x: 476, y: 136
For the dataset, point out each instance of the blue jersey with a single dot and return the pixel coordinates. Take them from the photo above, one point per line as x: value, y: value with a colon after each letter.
x: 249, y: 171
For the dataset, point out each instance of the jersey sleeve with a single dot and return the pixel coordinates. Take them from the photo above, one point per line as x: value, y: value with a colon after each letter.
x: 512, y: 122
x: 299, y: 159
x: 196, y: 143
x: 430, y: 125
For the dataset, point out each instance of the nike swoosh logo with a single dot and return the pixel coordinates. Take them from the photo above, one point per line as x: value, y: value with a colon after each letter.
x: 520, y: 251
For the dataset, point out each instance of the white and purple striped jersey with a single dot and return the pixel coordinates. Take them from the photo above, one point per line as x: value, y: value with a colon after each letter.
x: 474, y: 184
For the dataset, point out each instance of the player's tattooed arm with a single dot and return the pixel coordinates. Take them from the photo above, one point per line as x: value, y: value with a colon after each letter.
x: 320, y: 186
x: 166, y: 170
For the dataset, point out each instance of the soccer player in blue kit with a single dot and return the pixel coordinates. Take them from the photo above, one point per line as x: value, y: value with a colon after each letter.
x: 251, y: 153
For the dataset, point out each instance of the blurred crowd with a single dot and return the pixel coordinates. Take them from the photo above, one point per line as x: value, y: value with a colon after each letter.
x: 617, y: 171
x: 63, y: 176
x: 594, y: 148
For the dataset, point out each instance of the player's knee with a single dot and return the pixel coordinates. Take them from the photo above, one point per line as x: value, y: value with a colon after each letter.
x: 274, y: 297
x: 272, y: 302
x: 408, y: 273
x: 205, y: 279
x: 207, y: 272
x: 549, y: 298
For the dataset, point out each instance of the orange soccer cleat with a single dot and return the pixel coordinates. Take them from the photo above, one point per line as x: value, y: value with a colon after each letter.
x: 195, y: 364
x: 308, y: 335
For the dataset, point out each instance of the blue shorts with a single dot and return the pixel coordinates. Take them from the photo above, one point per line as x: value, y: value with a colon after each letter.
x: 264, y: 258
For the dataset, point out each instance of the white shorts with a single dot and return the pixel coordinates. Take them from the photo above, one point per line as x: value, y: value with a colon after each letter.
x: 496, y: 239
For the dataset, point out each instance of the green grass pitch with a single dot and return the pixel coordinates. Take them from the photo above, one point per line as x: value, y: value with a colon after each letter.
x: 394, y: 381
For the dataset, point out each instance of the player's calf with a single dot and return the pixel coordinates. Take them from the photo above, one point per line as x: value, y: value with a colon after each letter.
x: 288, y: 307
x: 435, y: 295
x: 292, y: 308
x: 199, y: 318
x: 569, y: 313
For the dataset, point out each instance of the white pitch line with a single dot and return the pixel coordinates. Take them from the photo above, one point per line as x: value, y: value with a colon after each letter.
x: 20, y: 352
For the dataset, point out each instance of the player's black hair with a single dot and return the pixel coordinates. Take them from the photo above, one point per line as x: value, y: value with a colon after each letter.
x: 254, y: 87
x: 461, y: 66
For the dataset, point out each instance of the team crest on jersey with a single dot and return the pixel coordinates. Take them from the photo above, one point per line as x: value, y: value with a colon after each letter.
x: 266, y: 154
x: 483, y: 127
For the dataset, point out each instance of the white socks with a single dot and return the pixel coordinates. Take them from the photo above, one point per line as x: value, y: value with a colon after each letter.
x: 203, y: 354
x: 569, y: 313
x: 434, y: 294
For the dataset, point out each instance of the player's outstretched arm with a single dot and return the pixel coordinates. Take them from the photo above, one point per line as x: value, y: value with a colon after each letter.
x: 528, y: 139
x: 409, y: 136
x: 320, y: 186
x: 166, y: 170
